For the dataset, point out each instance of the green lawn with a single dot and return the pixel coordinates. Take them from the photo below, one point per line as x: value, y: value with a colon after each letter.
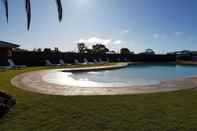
x: 149, y: 112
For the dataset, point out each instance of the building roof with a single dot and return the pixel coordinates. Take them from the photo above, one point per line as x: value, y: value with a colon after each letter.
x: 8, y: 44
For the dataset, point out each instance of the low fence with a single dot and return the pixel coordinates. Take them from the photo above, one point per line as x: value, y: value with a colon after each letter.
x: 38, y: 58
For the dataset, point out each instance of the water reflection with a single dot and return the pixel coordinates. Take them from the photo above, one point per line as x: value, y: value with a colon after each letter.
x: 144, y: 74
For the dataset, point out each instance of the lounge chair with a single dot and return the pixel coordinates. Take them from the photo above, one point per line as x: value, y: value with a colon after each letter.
x: 77, y: 62
x: 48, y: 63
x: 101, y: 61
x: 87, y: 62
x: 125, y: 59
x: 13, y: 65
x: 96, y: 62
x: 61, y: 62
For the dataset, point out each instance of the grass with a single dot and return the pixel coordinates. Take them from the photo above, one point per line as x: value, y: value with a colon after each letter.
x: 148, y: 112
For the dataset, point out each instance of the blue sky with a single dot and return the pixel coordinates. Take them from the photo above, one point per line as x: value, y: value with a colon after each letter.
x: 163, y: 25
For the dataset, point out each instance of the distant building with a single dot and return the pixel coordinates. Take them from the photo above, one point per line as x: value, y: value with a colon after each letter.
x: 194, y: 58
x: 6, y: 48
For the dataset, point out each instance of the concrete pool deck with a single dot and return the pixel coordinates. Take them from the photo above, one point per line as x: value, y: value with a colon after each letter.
x: 33, y: 81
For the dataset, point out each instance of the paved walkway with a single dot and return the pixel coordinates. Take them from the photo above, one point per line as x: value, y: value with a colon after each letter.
x: 33, y: 81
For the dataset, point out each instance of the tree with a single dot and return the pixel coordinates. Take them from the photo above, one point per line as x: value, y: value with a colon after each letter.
x: 28, y: 10
x: 149, y: 52
x: 56, y: 49
x: 124, y: 51
x: 99, y: 49
x: 37, y: 50
x: 82, y: 48
x: 47, y: 50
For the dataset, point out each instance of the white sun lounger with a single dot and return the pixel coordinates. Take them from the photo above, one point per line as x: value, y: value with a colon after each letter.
x: 48, y: 63
x: 61, y: 62
x: 96, y: 62
x: 13, y: 65
x: 101, y: 61
x: 77, y: 62
x: 87, y: 62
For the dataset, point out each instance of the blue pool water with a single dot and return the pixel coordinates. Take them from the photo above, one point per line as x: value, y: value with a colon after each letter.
x: 142, y: 74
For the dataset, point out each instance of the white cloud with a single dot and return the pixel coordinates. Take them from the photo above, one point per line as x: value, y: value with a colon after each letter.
x: 95, y: 40
x: 162, y: 36
x: 81, y: 41
x: 123, y: 32
x: 119, y: 42
x: 112, y: 44
x: 156, y: 35
x: 178, y: 33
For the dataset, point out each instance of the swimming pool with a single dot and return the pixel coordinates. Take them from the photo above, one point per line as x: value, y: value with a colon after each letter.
x: 133, y: 75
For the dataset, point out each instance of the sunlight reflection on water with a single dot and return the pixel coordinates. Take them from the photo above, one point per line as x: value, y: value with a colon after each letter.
x: 66, y: 79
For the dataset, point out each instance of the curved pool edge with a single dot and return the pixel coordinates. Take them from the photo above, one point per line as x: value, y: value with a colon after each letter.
x: 96, y: 68
x: 32, y: 81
